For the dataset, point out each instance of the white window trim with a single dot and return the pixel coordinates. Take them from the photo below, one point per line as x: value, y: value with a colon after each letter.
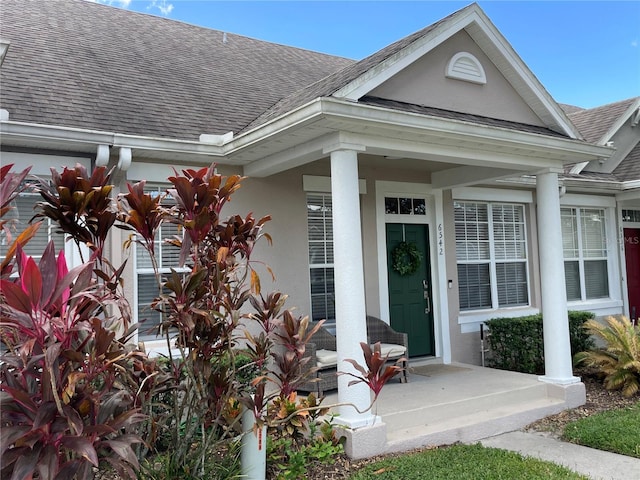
x: 613, y: 304
x: 330, y: 322
x: 157, y: 346
x: 481, y: 314
x: 469, y: 320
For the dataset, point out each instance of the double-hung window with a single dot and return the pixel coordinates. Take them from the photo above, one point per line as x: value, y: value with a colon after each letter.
x: 491, y: 252
x: 320, y: 231
x: 584, y: 242
x: 147, y: 289
x: 19, y: 216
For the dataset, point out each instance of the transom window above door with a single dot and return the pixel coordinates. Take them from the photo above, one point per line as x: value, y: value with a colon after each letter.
x: 405, y: 206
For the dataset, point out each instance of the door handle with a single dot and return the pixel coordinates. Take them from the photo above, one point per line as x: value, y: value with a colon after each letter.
x: 425, y: 288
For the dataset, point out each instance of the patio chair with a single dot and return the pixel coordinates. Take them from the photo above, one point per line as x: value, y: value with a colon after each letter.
x: 324, y: 357
x: 392, y: 342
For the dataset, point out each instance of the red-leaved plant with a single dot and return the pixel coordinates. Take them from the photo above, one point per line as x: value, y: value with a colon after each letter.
x: 204, y: 307
x: 73, y: 386
x: 377, y: 373
x: 68, y: 379
x: 11, y: 185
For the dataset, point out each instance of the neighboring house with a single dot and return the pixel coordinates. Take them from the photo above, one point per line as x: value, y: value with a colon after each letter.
x: 444, y: 139
x: 618, y: 177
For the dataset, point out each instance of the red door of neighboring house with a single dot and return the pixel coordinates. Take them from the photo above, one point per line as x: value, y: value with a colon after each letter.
x: 632, y: 255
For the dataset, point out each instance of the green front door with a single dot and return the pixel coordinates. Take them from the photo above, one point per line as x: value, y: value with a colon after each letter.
x: 410, y: 305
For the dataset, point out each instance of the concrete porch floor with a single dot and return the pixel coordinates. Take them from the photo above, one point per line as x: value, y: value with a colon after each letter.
x: 459, y: 403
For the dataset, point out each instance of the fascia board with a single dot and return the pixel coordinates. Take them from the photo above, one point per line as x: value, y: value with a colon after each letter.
x: 456, y: 128
x: 297, y: 117
x: 55, y: 134
x: 592, y: 183
x: 344, y: 116
x: 619, y: 123
x: 138, y: 142
x: 86, y: 140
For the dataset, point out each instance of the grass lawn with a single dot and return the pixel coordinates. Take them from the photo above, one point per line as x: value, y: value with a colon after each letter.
x: 464, y: 462
x: 613, y: 431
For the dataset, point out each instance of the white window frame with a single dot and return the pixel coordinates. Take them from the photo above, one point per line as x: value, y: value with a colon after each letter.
x: 470, y: 319
x: 41, y: 167
x: 614, y: 304
x: 577, y: 213
x: 493, y: 261
x: 327, y: 241
x: 153, y: 343
x: 321, y: 185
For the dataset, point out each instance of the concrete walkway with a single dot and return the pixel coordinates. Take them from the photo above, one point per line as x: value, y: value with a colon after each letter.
x: 595, y: 464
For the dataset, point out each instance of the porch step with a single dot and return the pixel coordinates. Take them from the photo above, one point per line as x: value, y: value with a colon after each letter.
x: 470, y: 418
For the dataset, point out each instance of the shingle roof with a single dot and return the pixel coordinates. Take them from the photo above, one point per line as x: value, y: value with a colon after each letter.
x: 570, y: 108
x: 629, y: 168
x: 332, y: 83
x: 80, y: 64
x: 464, y: 117
x: 594, y: 123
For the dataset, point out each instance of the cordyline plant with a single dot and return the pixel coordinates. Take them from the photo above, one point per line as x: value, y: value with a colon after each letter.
x: 377, y: 373
x: 11, y: 185
x: 68, y: 382
x: 206, y: 312
x: 74, y: 387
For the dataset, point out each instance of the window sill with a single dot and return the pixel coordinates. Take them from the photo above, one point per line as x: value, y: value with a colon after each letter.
x: 484, y: 315
x: 599, y: 304
x: 156, y: 348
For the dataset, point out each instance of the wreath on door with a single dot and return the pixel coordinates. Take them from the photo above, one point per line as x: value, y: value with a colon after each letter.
x: 406, y: 258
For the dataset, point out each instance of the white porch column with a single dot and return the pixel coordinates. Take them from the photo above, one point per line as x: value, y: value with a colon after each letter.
x: 557, y: 347
x: 351, y: 326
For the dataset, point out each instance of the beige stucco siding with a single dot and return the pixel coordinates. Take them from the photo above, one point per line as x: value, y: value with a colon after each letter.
x: 424, y: 83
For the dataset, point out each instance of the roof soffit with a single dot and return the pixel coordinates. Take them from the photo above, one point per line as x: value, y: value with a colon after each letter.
x: 475, y: 22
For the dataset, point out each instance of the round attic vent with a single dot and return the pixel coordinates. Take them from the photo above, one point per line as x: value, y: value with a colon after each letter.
x: 464, y: 66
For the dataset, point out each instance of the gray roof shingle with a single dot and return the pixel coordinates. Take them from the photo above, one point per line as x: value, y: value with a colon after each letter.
x: 629, y: 168
x: 594, y: 123
x: 80, y: 64
x: 329, y: 85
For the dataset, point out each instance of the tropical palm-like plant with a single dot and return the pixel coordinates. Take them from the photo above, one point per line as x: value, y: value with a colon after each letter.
x: 619, y: 359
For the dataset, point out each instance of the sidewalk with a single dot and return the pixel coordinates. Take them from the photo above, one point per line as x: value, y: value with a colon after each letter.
x: 596, y: 464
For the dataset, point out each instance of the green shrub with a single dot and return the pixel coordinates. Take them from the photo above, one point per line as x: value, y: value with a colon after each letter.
x: 517, y: 344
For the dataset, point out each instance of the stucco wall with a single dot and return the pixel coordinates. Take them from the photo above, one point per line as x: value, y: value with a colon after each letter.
x: 424, y: 83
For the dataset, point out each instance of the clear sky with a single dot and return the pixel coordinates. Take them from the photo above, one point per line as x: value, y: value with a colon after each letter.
x: 585, y: 53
